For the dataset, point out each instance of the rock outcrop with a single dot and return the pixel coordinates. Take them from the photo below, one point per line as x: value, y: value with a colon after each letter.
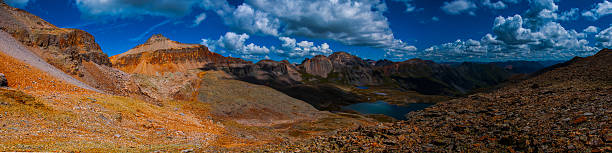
x: 73, y: 51
x: 3, y: 81
x: 64, y: 48
x: 266, y: 72
x: 319, y: 65
x: 16, y: 60
x: 160, y: 55
x: 341, y: 67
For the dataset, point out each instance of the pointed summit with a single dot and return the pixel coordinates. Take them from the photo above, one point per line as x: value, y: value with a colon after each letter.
x: 158, y: 42
x: 157, y: 38
x: 160, y: 55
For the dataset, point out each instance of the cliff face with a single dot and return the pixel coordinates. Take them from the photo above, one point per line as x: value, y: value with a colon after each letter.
x: 353, y: 70
x: 160, y: 55
x: 73, y: 51
x: 65, y: 49
x: 267, y: 72
x: 318, y: 65
x: 341, y: 67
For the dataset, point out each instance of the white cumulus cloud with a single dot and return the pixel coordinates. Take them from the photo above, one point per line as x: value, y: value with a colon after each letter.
x: 351, y: 22
x: 497, y: 5
x: 292, y: 49
x: 604, y: 38
x: 457, y: 7
x: 602, y: 9
x: 235, y: 43
x: 535, y: 35
x: 591, y: 29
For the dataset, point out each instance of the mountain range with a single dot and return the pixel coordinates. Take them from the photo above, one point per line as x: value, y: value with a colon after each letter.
x: 60, y: 92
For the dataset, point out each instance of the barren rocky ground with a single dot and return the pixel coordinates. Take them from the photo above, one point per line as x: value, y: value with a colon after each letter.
x: 567, y: 109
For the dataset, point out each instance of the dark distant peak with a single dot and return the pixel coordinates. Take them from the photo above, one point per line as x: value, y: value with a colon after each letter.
x: 157, y: 38
x: 343, y: 55
x: 476, y: 63
x: 340, y: 54
x: 604, y: 52
x: 266, y: 61
x: 383, y: 62
x: 418, y: 61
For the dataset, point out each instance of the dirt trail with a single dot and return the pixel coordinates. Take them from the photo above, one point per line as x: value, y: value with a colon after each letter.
x: 13, y: 48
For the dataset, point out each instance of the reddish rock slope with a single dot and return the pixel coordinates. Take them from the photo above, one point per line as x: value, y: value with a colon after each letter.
x: 73, y: 51
x: 160, y: 55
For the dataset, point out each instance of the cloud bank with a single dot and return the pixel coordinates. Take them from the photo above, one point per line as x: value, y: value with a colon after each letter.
x: 602, y: 9
x: 534, y: 35
x: 357, y: 22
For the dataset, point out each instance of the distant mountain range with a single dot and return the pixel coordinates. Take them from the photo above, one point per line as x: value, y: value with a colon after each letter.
x: 517, y: 66
x: 326, y: 82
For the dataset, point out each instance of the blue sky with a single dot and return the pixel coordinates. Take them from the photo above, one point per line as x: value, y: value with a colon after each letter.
x: 440, y: 30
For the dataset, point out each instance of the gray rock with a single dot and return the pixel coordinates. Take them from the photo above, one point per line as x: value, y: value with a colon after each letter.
x: 3, y: 82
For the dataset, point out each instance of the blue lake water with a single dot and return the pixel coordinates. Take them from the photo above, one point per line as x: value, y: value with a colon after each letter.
x: 362, y: 87
x: 381, y: 107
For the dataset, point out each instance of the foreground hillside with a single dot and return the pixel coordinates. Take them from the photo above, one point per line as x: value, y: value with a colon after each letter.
x: 43, y: 113
x: 565, y: 109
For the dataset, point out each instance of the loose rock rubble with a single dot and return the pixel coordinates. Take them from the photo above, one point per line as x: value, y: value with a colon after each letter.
x: 567, y: 109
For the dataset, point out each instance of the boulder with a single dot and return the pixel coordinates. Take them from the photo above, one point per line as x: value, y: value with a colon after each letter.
x: 3, y: 82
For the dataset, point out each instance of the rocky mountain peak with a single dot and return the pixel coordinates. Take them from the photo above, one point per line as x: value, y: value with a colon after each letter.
x: 157, y: 42
x: 341, y: 54
x: 157, y: 38
x: 161, y: 55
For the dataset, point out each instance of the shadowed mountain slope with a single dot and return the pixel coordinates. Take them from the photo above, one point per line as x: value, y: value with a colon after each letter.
x: 564, y: 109
x: 328, y: 82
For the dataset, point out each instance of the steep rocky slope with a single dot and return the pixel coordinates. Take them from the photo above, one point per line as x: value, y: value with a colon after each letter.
x: 14, y: 50
x: 563, y: 109
x: 344, y: 68
x: 64, y: 48
x: 42, y: 113
x: 160, y: 55
x: 73, y: 51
